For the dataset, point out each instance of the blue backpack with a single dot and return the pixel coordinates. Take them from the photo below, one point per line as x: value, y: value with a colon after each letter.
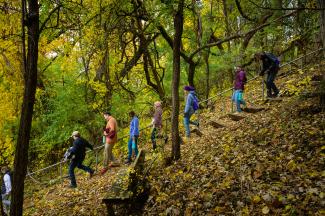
x: 195, y: 103
x: 273, y: 58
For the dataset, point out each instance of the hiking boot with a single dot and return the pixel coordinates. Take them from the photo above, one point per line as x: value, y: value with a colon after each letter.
x: 113, y: 164
x: 103, y: 171
x: 184, y: 139
x: 276, y: 94
x: 91, y: 174
x: 128, y: 162
x: 72, y: 186
x: 166, y: 139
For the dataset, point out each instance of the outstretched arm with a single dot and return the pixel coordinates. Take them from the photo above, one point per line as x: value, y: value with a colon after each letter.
x: 88, y: 145
x: 188, y: 104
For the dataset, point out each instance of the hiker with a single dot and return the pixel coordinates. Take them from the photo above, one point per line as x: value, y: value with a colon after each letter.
x: 190, y: 108
x: 78, y: 153
x: 6, y: 189
x: 270, y: 67
x: 157, y: 125
x: 239, y: 84
x: 134, y: 135
x: 110, y: 132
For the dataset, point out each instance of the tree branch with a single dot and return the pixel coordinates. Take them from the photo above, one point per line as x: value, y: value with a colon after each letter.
x: 240, y: 35
x: 242, y: 13
x: 282, y: 8
x: 128, y: 65
x: 49, y: 17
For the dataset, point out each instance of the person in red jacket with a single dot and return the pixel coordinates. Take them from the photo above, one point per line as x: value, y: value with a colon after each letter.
x: 110, y: 132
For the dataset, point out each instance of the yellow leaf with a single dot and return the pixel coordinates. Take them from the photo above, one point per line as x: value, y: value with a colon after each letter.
x: 256, y: 199
x: 265, y: 210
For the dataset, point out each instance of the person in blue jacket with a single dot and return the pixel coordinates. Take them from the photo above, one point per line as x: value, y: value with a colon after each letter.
x: 191, y: 102
x: 134, y: 135
x: 78, y: 153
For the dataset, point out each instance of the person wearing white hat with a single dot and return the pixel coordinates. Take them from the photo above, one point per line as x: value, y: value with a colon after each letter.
x: 78, y: 153
x: 157, y: 125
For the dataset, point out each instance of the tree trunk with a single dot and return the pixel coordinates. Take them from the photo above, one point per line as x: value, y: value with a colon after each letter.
x: 207, y: 71
x: 191, y: 72
x: 157, y: 86
x: 321, y: 4
x: 178, y: 25
x: 108, y: 83
x: 225, y: 13
x: 21, y: 153
x: 157, y: 78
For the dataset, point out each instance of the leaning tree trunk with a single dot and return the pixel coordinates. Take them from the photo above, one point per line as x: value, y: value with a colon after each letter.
x: 178, y: 25
x: 225, y: 13
x: 321, y: 4
x: 30, y: 75
x: 207, y: 73
x: 191, y: 72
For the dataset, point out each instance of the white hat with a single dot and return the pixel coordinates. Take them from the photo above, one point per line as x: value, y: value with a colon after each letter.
x: 157, y: 104
x: 75, y: 133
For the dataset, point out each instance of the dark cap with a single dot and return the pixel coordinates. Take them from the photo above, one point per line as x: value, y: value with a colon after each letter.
x: 189, y: 88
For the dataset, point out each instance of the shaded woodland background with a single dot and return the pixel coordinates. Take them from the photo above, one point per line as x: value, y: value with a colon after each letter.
x: 80, y: 58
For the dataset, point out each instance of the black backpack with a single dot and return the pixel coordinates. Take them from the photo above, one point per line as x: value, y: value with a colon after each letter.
x: 273, y: 58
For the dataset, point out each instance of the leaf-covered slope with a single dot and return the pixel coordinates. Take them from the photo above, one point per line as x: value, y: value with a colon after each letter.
x: 271, y: 162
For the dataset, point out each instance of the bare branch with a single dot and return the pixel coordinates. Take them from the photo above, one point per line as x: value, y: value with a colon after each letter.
x: 240, y: 35
x: 242, y: 12
x: 49, y: 17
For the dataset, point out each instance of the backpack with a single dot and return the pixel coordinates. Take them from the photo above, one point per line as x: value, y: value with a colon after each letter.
x: 274, y: 59
x: 195, y: 103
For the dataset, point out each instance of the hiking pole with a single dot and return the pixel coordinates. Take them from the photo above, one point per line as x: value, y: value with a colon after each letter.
x: 263, y: 88
x: 61, y: 172
x: 232, y: 101
x: 96, y: 156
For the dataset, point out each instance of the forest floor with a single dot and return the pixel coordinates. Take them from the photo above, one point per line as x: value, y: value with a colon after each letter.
x: 270, y: 162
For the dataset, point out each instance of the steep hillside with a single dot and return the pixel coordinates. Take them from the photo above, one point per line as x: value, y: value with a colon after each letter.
x: 269, y: 162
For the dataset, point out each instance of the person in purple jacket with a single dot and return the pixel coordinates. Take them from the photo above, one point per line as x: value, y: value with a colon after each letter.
x: 239, y: 85
x: 134, y: 135
x: 189, y: 110
x: 157, y: 125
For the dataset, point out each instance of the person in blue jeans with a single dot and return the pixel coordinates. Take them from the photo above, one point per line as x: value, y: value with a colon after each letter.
x: 239, y: 85
x: 78, y: 153
x: 189, y: 110
x: 271, y: 68
x: 134, y: 135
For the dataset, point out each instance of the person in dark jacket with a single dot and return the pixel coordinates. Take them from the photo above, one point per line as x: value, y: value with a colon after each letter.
x: 271, y: 68
x: 239, y: 85
x: 78, y: 153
